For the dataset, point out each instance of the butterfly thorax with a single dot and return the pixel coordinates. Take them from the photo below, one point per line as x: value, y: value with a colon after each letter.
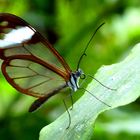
x: 73, y: 83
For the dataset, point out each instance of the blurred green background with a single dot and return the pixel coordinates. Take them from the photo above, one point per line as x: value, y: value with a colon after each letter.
x: 68, y: 25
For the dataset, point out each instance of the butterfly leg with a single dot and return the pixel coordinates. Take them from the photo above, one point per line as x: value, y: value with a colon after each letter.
x: 68, y: 114
x: 72, y: 102
x: 100, y: 82
x: 90, y: 92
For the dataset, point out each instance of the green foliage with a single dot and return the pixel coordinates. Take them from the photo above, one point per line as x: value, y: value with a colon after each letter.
x: 124, y: 76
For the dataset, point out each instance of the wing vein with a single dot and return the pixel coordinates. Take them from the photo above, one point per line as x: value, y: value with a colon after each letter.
x: 24, y: 77
x: 38, y: 84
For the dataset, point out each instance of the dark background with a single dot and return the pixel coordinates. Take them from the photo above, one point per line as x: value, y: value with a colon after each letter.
x: 68, y: 25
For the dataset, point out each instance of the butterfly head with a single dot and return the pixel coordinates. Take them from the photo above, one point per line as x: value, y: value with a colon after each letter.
x: 73, y: 83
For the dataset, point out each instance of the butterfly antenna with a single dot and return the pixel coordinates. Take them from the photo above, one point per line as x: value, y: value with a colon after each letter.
x: 84, y: 52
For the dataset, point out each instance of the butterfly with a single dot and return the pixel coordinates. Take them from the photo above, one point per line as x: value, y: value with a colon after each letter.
x: 31, y: 64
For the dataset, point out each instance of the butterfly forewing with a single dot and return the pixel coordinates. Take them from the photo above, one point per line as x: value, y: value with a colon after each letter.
x: 31, y: 64
x: 18, y: 37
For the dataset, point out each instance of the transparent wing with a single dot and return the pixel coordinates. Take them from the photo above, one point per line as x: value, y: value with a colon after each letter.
x: 31, y: 78
x: 18, y: 38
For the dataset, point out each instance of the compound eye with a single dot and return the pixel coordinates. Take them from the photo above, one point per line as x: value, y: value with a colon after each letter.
x: 83, y: 76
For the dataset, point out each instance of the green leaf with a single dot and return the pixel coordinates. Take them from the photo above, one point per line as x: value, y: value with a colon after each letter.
x: 123, y: 76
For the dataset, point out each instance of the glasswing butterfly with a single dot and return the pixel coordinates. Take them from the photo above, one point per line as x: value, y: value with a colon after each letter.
x: 30, y: 63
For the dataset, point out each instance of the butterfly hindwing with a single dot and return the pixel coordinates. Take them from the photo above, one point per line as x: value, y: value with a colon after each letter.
x: 30, y: 77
